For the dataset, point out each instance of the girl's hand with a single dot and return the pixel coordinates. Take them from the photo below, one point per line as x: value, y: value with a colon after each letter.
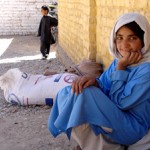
x: 82, y: 82
x: 129, y: 59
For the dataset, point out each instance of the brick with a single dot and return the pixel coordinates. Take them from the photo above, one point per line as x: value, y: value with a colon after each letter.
x: 23, y: 16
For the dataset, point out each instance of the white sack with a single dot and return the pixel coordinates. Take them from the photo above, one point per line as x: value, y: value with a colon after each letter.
x: 27, y: 89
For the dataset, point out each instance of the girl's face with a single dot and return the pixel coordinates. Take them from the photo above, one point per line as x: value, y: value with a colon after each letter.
x: 127, y: 41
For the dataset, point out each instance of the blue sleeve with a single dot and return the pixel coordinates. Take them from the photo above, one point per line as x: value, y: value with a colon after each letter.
x: 104, y: 82
x: 129, y: 89
x: 126, y: 88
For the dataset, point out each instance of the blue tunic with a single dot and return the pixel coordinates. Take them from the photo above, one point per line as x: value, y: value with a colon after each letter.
x: 121, y: 102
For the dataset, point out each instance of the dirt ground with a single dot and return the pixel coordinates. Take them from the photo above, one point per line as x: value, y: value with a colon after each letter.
x: 25, y: 128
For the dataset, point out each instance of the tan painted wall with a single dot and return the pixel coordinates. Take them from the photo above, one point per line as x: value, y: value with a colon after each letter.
x: 85, y: 26
x: 77, y: 28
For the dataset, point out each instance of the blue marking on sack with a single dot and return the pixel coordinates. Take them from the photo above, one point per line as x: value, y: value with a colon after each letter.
x: 13, y: 99
x: 49, y: 101
x: 58, y: 78
x: 25, y: 75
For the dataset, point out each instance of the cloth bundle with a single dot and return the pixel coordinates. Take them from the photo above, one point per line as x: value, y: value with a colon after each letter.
x: 86, y: 67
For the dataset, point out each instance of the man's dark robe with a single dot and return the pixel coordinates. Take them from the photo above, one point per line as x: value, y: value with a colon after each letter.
x: 45, y: 28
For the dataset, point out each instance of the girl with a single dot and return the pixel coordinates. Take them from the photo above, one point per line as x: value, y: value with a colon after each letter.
x: 116, y: 105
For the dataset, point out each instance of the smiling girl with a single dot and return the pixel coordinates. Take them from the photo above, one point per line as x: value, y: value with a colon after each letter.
x: 117, y: 104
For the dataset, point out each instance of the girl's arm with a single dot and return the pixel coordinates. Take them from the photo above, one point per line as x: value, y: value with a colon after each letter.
x: 130, y: 89
x: 103, y: 82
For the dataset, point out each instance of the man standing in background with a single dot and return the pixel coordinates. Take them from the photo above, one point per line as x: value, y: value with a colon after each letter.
x: 45, y: 31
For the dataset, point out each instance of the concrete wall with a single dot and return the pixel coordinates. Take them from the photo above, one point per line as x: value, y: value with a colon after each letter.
x: 85, y: 26
x: 20, y: 17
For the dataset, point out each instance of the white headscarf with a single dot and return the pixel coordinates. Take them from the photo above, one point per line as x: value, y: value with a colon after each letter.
x: 144, y: 25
